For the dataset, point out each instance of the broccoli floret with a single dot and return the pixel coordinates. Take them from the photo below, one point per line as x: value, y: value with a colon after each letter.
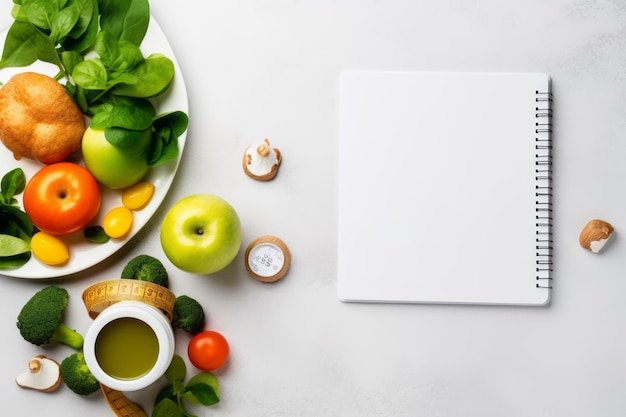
x: 188, y: 314
x: 146, y: 268
x: 77, y: 376
x: 40, y: 320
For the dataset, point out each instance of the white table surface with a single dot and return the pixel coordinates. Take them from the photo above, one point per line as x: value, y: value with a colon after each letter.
x: 269, y: 68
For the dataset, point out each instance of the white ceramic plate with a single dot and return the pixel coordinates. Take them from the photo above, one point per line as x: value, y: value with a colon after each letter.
x: 84, y: 254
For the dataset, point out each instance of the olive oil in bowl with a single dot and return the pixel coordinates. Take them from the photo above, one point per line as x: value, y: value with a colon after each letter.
x: 127, y: 348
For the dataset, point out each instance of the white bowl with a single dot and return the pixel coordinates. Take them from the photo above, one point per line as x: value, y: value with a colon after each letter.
x: 154, y: 318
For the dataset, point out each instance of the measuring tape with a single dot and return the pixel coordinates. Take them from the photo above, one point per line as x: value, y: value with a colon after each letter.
x: 102, y: 294
x: 121, y: 406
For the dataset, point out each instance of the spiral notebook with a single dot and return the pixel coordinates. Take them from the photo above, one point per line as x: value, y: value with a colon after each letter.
x: 445, y: 191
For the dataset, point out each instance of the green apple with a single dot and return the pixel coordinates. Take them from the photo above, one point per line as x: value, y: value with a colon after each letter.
x: 201, y: 234
x: 115, y: 167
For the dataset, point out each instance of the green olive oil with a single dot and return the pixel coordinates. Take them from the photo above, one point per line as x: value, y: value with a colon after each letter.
x: 126, y: 348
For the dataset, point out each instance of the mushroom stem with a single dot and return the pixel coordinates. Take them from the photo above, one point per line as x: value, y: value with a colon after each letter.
x: 263, y: 150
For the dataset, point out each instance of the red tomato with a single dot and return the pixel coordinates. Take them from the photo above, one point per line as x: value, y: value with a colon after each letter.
x: 62, y: 198
x: 208, y: 350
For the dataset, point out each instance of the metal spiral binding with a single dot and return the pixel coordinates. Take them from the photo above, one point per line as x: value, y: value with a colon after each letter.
x: 543, y: 188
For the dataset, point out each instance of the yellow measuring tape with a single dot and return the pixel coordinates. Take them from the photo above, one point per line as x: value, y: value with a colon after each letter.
x: 102, y: 294
x: 120, y: 404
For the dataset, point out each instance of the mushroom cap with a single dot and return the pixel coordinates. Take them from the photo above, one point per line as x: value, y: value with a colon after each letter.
x: 44, y: 374
x: 261, y: 162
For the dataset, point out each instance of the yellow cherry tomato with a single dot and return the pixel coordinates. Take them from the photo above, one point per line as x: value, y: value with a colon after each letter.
x: 117, y: 222
x: 49, y: 249
x: 137, y: 196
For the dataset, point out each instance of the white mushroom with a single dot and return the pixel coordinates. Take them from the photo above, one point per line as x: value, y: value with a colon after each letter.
x: 44, y: 374
x: 261, y: 162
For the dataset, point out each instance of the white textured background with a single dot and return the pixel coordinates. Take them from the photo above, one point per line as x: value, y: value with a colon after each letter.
x: 268, y: 68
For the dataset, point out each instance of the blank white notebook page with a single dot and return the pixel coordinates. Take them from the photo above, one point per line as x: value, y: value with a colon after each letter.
x: 439, y: 180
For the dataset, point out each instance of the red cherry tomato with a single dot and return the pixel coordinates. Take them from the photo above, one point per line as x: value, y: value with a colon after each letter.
x: 208, y: 350
x: 62, y: 198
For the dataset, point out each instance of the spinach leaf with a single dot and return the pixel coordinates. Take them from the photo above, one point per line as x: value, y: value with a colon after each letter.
x: 85, y: 16
x: 70, y: 59
x: 167, y: 128
x: 15, y: 222
x: 114, y: 87
x: 16, y: 228
x: 154, y: 75
x: 129, y: 113
x: 129, y: 56
x: 126, y: 19
x: 90, y: 74
x: 125, y: 138
x: 46, y: 50
x: 80, y: 40
x: 13, y: 183
x: 63, y: 22
x: 40, y: 12
x: 12, y: 262
x: 20, y: 47
x: 11, y: 246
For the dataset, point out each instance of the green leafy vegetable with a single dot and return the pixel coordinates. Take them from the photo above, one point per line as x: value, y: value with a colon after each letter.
x: 63, y: 32
x: 202, y: 389
x: 16, y: 228
x: 96, y: 234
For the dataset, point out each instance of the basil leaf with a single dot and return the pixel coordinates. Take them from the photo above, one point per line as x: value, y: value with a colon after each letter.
x: 205, y: 378
x: 166, y: 392
x: 96, y: 234
x: 177, y: 369
x: 11, y: 246
x: 167, y: 408
x: 200, y: 393
x: 12, y: 262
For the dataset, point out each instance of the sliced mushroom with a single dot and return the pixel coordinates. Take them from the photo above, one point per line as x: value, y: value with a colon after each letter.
x: 44, y: 374
x: 261, y: 162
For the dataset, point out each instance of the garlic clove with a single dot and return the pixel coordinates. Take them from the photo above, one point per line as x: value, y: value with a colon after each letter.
x: 261, y: 162
x: 595, y: 235
x: 44, y: 374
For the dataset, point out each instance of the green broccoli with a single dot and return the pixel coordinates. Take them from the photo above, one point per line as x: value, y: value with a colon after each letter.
x: 40, y: 321
x: 188, y: 315
x: 146, y: 268
x: 77, y: 376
